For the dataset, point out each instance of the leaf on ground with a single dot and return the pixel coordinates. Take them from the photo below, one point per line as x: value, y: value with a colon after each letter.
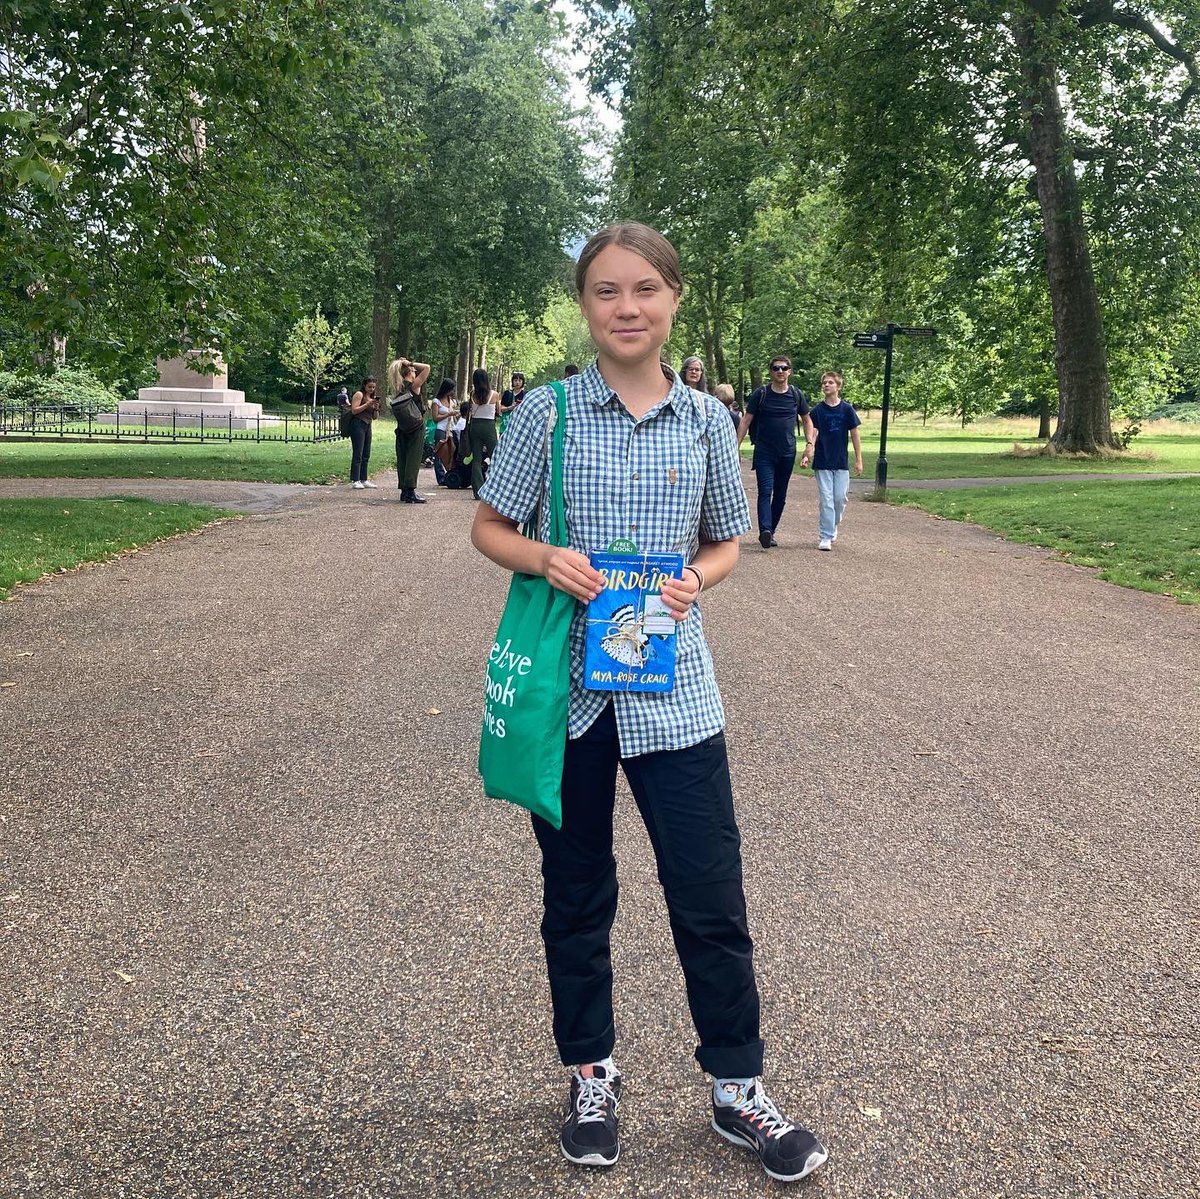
x: 125, y: 978
x: 27, y: 653
x: 871, y: 1113
x: 435, y: 712
x: 926, y: 753
x: 7, y: 684
x: 1061, y: 1045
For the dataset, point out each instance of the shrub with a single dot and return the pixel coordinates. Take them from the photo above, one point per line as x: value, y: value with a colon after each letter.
x: 1189, y: 414
x: 72, y: 387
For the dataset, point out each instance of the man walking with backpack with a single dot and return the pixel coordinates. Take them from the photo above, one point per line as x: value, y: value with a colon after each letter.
x: 773, y: 415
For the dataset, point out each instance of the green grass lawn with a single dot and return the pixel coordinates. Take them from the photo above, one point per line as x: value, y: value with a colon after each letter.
x: 1142, y: 534
x: 985, y: 450
x: 939, y: 451
x: 38, y: 537
x: 265, y: 462
x: 943, y: 450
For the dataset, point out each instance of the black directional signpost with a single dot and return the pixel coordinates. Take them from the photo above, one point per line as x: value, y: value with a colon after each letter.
x: 883, y: 341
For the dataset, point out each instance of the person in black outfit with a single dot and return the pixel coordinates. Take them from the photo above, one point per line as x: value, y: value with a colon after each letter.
x: 774, y: 412
x: 364, y: 408
x: 513, y: 395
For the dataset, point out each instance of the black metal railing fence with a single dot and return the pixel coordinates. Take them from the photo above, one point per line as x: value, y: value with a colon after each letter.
x: 73, y: 422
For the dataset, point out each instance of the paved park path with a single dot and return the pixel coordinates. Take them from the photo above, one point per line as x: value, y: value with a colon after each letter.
x: 260, y: 934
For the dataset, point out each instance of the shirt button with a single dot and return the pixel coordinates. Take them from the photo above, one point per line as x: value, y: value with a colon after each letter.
x: 633, y: 527
x: 636, y: 475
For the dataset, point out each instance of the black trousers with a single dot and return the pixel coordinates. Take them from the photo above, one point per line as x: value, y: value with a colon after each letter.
x: 686, y: 802
x: 360, y: 448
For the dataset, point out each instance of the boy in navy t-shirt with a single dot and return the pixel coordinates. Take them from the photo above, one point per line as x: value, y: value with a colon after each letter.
x: 833, y: 422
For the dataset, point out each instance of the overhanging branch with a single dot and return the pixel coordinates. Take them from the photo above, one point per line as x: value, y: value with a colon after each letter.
x: 1104, y: 12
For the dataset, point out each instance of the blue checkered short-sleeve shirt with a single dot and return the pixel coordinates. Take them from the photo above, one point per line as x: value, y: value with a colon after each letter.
x: 663, y: 482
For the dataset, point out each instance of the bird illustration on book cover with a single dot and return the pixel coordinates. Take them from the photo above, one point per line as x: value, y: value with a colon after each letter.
x: 631, y: 635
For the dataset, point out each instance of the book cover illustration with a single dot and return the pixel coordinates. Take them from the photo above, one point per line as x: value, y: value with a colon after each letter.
x: 631, y: 635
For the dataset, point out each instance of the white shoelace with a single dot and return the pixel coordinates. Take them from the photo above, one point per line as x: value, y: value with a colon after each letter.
x: 758, y: 1107
x: 594, y: 1094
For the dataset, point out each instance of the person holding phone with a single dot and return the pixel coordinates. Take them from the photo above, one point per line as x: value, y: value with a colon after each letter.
x: 364, y: 408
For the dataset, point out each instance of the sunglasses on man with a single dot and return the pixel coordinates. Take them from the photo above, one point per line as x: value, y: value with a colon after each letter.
x: 780, y: 366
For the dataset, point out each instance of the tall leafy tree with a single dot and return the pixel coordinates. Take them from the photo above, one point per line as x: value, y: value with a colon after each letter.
x: 138, y: 143
x: 977, y: 152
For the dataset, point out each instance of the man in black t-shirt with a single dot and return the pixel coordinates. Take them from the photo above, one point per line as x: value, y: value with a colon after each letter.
x: 775, y: 412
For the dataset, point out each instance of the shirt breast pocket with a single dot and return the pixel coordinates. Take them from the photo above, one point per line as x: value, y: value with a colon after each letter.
x: 591, y: 491
x: 681, y: 488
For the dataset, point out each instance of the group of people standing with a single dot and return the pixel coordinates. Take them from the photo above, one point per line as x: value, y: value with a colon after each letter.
x: 405, y: 380
x: 466, y: 435
x: 775, y: 413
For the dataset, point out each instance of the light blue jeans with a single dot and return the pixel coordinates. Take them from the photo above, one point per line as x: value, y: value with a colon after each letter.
x: 833, y: 489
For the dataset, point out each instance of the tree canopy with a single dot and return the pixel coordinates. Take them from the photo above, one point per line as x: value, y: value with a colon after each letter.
x: 201, y: 174
x: 1020, y: 176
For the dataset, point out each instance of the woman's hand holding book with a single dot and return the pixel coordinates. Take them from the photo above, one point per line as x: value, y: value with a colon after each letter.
x: 570, y: 571
x: 680, y: 594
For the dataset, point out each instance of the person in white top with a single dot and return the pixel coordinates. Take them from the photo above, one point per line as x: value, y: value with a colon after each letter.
x: 442, y: 411
x: 483, y: 427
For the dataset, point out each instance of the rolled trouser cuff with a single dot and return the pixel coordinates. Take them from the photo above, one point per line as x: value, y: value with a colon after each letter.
x: 737, y: 1061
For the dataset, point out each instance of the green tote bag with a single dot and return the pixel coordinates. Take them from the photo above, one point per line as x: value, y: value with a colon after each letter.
x: 528, y: 675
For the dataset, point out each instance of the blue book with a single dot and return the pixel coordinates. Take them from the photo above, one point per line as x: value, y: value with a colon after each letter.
x: 631, y: 634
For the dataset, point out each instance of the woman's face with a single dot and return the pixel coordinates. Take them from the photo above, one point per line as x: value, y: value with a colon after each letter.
x: 692, y: 373
x: 370, y: 388
x: 628, y: 306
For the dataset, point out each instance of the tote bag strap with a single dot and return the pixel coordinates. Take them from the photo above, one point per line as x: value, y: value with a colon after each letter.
x: 558, y: 516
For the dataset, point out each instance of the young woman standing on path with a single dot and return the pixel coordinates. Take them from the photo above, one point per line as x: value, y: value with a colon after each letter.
x: 405, y: 380
x: 482, y: 427
x: 364, y: 408
x: 649, y: 461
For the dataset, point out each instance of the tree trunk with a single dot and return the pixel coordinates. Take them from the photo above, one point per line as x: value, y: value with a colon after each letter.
x: 706, y: 325
x: 1080, y: 355
x: 719, y: 363
x: 385, y: 288
x: 1044, y: 417
x: 404, y: 331
x: 464, y: 364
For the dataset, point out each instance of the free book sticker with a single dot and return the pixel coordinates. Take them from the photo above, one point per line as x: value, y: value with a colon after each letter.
x: 631, y: 635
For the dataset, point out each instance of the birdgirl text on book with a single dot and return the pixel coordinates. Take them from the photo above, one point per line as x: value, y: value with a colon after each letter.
x: 503, y: 694
x: 631, y: 635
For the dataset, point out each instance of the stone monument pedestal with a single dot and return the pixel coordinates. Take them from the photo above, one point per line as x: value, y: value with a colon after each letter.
x: 185, y: 398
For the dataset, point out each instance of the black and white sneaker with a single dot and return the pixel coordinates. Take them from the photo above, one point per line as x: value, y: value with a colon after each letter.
x: 589, y: 1136
x: 787, y: 1151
